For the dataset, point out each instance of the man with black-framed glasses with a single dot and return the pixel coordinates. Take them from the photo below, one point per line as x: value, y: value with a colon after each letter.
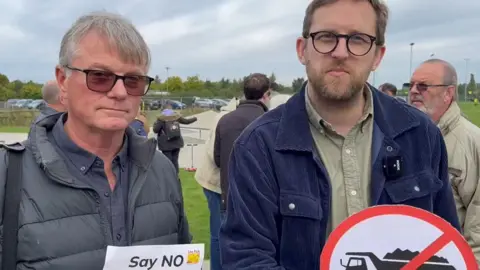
x: 84, y: 180
x: 433, y: 90
x: 331, y: 151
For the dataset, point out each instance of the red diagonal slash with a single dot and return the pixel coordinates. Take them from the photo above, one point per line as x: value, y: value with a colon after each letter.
x: 427, y: 253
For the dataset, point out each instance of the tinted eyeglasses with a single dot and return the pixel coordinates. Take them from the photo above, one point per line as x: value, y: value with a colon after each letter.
x: 422, y: 87
x: 358, y: 44
x: 103, y: 81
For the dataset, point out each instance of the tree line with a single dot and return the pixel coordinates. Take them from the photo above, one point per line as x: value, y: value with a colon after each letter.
x: 194, y: 86
x: 175, y: 85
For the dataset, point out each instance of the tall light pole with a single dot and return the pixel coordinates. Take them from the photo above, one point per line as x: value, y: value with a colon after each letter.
x: 411, y: 58
x: 466, y: 79
x: 167, y: 68
x: 410, y: 74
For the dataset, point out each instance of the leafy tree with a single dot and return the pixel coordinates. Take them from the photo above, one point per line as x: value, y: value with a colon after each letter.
x: 31, y: 90
x: 273, y: 78
x: 297, y: 84
x: 6, y: 93
x: 461, y: 91
x: 16, y: 86
x: 191, y: 86
x: 155, y: 86
x: 209, y: 85
x: 174, y: 84
x: 194, y: 84
x: 472, y: 87
x: 4, y: 80
x: 224, y: 83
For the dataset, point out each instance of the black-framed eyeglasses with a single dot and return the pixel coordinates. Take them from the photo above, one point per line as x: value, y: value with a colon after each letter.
x: 358, y: 44
x: 422, y: 87
x: 103, y: 81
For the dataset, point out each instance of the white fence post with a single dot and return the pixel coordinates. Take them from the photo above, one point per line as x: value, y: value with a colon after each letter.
x: 192, y: 145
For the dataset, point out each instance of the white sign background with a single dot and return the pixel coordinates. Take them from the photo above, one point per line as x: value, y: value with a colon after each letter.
x: 118, y: 258
x: 384, y: 234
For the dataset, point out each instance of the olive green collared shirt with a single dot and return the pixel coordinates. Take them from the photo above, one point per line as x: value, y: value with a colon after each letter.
x: 347, y: 160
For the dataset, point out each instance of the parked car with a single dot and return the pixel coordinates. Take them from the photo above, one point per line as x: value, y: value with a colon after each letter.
x: 203, y: 103
x: 151, y: 104
x: 36, y: 104
x: 22, y: 104
x: 176, y: 105
x: 219, y: 103
x: 11, y: 102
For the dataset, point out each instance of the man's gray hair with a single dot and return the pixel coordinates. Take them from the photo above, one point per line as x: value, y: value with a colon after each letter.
x: 449, y: 73
x: 50, y: 92
x: 120, y: 33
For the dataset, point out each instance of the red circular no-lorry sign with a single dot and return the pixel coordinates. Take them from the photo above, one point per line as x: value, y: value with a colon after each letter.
x: 396, y: 237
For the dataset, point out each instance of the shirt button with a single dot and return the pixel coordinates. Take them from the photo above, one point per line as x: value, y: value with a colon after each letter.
x: 119, y: 236
x: 106, y: 194
x: 348, y: 151
x: 353, y: 192
x: 82, y: 168
x: 291, y: 206
x: 416, y: 188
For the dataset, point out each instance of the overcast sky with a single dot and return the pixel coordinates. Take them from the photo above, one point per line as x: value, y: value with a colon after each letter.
x: 232, y: 38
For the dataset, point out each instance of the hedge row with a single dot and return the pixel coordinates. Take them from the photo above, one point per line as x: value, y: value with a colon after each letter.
x: 23, y: 118
x: 17, y: 118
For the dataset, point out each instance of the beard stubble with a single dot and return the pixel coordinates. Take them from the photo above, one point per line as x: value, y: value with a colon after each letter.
x: 340, y: 89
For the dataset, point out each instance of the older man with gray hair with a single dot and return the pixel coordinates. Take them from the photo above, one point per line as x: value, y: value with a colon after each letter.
x: 433, y: 90
x: 84, y: 179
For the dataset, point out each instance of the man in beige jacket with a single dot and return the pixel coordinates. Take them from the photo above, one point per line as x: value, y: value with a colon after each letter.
x: 433, y: 90
x: 208, y: 176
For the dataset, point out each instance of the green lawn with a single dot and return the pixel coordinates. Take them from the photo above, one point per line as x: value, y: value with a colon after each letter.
x: 472, y: 112
x: 14, y: 129
x: 197, y: 210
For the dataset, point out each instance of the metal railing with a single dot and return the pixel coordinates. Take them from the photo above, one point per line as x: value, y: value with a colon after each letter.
x: 199, y: 129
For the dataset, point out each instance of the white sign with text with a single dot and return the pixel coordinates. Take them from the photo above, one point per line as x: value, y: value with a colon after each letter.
x: 188, y: 257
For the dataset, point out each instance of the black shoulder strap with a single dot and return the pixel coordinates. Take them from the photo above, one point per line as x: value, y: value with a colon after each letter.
x: 11, y: 210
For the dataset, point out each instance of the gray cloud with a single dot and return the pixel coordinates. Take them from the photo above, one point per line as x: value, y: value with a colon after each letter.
x: 232, y: 38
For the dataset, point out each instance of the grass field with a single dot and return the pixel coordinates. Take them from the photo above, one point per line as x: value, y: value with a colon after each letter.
x: 472, y: 112
x: 196, y: 209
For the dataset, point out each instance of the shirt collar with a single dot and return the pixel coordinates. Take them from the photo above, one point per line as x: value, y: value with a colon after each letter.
x: 253, y: 103
x: 319, y: 123
x: 82, y: 159
x: 449, y: 118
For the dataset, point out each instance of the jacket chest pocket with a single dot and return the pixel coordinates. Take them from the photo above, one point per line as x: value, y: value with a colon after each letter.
x: 417, y: 190
x: 301, y: 227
